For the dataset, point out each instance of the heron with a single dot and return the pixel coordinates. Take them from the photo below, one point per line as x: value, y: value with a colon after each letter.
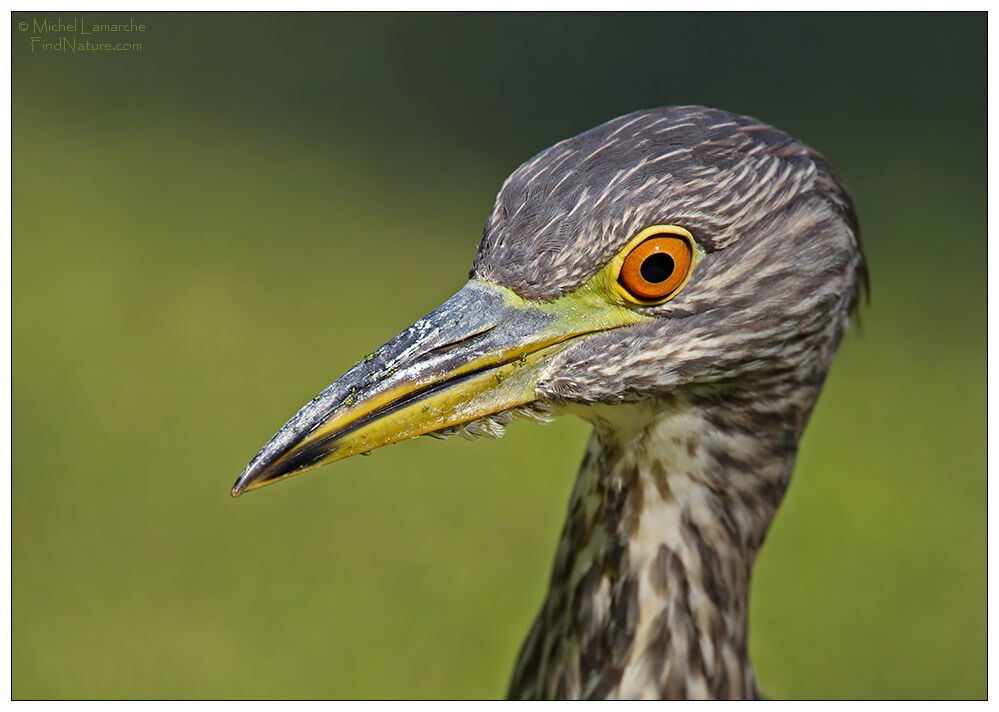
x: 681, y: 278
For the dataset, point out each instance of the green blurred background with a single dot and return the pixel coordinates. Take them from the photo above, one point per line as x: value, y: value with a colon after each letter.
x: 208, y: 231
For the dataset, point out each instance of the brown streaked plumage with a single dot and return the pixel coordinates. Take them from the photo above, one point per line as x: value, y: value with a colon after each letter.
x: 698, y: 402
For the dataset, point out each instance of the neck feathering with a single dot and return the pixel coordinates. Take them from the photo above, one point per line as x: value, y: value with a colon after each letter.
x: 649, y: 592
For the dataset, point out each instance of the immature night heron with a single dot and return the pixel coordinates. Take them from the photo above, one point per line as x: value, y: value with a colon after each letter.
x: 681, y: 278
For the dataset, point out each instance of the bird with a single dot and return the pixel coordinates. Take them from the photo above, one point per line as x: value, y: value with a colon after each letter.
x: 680, y: 278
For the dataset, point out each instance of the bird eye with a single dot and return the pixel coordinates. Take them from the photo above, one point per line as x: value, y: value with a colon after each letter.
x: 657, y: 267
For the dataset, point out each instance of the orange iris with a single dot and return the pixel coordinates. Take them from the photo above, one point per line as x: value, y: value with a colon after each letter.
x: 657, y: 267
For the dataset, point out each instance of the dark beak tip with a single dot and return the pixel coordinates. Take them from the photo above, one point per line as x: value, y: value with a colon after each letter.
x: 242, y: 482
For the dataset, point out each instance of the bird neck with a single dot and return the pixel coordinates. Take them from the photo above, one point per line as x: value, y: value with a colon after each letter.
x: 649, y: 591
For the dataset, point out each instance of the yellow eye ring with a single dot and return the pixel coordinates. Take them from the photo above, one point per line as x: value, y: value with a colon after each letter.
x: 656, y: 264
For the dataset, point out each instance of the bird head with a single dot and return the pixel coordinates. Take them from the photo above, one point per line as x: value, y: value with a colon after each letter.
x: 666, y: 251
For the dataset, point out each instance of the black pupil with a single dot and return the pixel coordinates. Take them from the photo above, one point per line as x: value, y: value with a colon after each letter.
x: 657, y: 267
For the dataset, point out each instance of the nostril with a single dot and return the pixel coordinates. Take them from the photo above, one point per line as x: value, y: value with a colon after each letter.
x: 463, y: 340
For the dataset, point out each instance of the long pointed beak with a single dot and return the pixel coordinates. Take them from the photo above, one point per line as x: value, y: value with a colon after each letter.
x: 478, y: 354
